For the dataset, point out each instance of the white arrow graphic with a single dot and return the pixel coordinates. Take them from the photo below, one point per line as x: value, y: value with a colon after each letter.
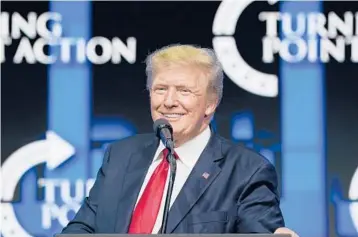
x: 53, y: 151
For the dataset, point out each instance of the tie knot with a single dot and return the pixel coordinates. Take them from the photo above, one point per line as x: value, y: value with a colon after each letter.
x: 166, y: 152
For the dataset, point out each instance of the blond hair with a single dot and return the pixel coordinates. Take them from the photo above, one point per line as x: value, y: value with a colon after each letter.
x: 187, y: 55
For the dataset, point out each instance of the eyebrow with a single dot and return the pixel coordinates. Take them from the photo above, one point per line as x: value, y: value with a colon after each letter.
x: 182, y: 86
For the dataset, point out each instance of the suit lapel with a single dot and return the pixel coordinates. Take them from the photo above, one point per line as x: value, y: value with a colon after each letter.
x: 135, y: 173
x: 203, y: 174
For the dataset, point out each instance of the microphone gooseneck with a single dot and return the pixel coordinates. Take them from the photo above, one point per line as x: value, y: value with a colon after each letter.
x: 164, y: 132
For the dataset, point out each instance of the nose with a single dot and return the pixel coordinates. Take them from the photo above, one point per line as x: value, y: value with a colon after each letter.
x: 170, y: 99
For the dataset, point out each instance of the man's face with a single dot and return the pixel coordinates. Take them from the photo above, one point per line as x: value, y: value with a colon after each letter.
x: 180, y: 95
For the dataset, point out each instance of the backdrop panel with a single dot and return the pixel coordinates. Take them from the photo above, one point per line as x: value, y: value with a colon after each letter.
x: 73, y: 76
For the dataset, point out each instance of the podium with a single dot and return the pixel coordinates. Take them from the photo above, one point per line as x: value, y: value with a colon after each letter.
x: 173, y: 235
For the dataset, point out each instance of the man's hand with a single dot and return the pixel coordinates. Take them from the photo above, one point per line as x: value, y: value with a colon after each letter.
x: 284, y: 230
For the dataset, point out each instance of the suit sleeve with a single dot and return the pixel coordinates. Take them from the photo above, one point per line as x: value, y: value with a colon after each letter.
x: 259, y: 204
x: 84, y: 220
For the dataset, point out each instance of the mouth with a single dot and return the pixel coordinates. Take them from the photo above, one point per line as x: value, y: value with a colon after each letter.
x: 172, y: 116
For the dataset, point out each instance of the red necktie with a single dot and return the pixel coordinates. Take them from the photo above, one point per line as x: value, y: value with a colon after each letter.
x: 146, y: 211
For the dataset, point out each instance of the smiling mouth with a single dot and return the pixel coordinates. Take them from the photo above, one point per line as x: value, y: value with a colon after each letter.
x: 172, y: 115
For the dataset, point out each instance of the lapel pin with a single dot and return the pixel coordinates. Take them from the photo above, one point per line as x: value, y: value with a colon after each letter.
x: 206, y: 175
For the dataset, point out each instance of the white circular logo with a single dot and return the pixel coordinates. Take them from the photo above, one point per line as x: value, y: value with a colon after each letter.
x: 240, y: 72
x: 53, y: 151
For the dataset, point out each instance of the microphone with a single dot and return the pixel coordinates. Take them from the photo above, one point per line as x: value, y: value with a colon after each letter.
x: 164, y: 131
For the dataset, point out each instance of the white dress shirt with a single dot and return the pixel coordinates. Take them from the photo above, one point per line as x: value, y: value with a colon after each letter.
x: 189, y: 154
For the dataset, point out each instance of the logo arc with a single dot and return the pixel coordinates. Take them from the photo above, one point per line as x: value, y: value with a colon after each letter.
x: 224, y: 44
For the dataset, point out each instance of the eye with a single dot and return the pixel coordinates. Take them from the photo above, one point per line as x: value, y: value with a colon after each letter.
x: 185, y: 91
x: 159, y: 89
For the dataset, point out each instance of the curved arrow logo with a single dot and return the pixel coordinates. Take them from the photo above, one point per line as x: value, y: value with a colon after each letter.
x: 240, y: 72
x: 53, y: 151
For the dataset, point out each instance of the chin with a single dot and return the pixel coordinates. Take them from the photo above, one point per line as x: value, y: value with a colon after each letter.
x: 177, y: 131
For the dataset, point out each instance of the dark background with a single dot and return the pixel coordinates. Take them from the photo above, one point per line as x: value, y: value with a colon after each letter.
x: 119, y: 90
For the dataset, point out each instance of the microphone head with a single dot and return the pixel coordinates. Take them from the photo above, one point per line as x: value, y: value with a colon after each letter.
x: 161, y: 123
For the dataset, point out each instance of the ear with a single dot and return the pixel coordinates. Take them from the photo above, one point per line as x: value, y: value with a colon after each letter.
x: 211, y: 107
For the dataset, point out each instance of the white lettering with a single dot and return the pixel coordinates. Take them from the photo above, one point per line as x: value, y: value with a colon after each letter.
x: 47, y: 46
x: 111, y: 50
x: 120, y: 49
x: 104, y: 44
x: 287, y: 25
x: 51, y: 212
x: 5, y: 41
x: 65, y: 52
x: 296, y: 43
x: 337, y: 24
x: 50, y: 188
x: 64, y: 48
x: 42, y: 22
x: 297, y: 49
x: 328, y: 48
x: 31, y: 26
x: 4, y: 25
x: 40, y: 54
x: 81, y: 51
x: 316, y: 24
x: 312, y: 50
x: 54, y: 209
x: 354, y: 49
x: 20, y: 24
x: 271, y: 46
x: 24, y: 51
x: 312, y: 36
x: 271, y: 19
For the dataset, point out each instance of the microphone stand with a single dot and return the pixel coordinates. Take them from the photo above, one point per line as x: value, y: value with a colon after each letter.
x: 173, y: 166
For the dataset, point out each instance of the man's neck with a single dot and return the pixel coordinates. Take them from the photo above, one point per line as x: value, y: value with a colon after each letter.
x: 182, y: 141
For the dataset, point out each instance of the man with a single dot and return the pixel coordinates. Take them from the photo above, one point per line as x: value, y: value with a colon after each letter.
x: 220, y: 187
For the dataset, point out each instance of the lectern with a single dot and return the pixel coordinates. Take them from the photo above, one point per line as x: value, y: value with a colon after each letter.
x: 173, y: 235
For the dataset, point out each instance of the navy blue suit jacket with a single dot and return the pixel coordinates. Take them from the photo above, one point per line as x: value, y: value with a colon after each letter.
x: 239, y: 196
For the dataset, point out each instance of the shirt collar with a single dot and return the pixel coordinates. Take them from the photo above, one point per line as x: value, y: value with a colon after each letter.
x: 190, y: 151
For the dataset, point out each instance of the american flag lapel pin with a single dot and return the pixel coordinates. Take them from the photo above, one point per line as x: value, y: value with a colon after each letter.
x: 206, y: 175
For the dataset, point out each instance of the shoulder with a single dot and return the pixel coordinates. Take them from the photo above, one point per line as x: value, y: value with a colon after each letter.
x: 134, y: 142
x: 241, y: 155
x: 119, y: 150
x: 246, y: 164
